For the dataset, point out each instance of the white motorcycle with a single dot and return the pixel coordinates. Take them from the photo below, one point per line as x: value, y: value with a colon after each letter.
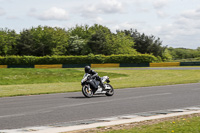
x: 92, y: 86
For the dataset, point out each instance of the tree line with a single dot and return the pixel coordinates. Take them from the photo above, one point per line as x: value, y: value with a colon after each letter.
x: 80, y: 40
x: 184, y: 53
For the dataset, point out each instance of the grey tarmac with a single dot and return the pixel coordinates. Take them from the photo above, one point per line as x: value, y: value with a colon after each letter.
x: 57, y: 109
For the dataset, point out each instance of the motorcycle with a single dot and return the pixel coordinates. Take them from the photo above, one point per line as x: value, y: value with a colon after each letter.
x: 91, y: 86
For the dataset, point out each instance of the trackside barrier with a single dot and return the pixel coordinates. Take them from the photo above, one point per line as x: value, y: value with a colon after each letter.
x: 49, y: 66
x: 190, y: 64
x: 20, y: 66
x: 75, y: 65
x: 165, y: 64
x: 105, y: 65
x: 134, y: 65
x: 3, y: 66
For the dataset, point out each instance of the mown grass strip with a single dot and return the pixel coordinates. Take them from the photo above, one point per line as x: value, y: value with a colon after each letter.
x: 14, y: 76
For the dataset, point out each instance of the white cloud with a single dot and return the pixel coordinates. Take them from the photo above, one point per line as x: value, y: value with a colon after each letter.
x: 159, y: 4
x: 192, y: 14
x: 12, y: 17
x: 184, y: 31
x: 162, y: 14
x: 110, y: 6
x: 123, y: 26
x: 99, y: 20
x: 104, y: 7
x: 2, y: 12
x: 53, y: 13
x: 189, y: 21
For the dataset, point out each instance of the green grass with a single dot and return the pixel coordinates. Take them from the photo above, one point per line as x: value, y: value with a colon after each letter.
x: 15, y: 82
x: 144, y: 78
x: 190, y: 125
x: 37, y: 76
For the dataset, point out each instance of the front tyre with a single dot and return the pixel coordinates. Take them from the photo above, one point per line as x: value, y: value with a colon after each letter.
x: 109, y: 92
x: 87, y: 91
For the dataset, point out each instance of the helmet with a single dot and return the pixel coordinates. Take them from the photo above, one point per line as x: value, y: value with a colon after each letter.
x: 87, y: 69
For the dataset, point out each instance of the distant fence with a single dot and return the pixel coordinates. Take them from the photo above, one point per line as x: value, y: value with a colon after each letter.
x: 164, y: 64
x: 190, y: 64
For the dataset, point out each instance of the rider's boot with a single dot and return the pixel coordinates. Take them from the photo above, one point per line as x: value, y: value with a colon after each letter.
x: 102, y: 86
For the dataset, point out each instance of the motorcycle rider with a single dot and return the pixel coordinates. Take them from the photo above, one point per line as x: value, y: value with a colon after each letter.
x: 94, y: 75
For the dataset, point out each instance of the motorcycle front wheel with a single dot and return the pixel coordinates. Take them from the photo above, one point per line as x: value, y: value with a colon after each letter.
x: 110, y: 92
x: 87, y: 91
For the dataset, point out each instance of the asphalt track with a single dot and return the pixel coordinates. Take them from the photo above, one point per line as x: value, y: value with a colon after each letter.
x: 41, y: 110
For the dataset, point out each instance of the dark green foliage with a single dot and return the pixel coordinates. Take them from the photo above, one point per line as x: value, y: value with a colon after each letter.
x: 8, y: 42
x: 79, y: 40
x: 98, y: 39
x: 80, y: 31
x: 86, y: 40
x: 97, y: 43
x: 42, y: 41
x: 146, y: 44
x: 184, y: 53
x: 76, y: 46
x: 121, y: 44
x: 140, y: 58
x: 31, y: 60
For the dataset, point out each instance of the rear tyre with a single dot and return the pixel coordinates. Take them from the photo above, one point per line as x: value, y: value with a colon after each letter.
x: 110, y: 92
x: 87, y: 91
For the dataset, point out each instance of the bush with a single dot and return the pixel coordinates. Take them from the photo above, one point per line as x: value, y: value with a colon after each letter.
x: 140, y: 58
x: 32, y: 60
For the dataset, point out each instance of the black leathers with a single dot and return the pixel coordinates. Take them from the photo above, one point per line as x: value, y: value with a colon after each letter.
x: 95, y: 75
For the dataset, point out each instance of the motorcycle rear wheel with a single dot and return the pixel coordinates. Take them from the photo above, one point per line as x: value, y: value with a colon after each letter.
x: 87, y: 91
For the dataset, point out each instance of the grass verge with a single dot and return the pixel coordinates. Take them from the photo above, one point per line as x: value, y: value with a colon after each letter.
x: 181, y: 125
x: 37, y: 76
x: 16, y: 82
x: 177, y: 124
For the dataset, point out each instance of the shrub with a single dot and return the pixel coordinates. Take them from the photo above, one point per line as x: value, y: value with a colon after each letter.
x: 32, y: 60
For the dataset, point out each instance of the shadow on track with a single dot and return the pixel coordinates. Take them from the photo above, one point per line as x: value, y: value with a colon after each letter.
x: 82, y: 97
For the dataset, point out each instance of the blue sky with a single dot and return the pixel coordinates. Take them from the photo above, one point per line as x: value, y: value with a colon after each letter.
x: 175, y: 22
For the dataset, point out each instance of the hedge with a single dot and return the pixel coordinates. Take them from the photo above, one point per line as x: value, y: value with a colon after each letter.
x: 32, y: 60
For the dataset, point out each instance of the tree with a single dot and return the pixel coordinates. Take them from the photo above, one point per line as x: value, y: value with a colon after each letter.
x: 80, y: 31
x: 121, y: 44
x: 166, y: 55
x: 7, y: 42
x: 60, y: 39
x: 25, y: 43
x: 77, y: 46
x: 198, y: 50
x: 43, y: 41
x: 183, y: 53
x: 97, y: 43
x: 146, y: 44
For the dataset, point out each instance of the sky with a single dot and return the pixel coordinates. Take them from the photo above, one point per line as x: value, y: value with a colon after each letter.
x: 175, y: 22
